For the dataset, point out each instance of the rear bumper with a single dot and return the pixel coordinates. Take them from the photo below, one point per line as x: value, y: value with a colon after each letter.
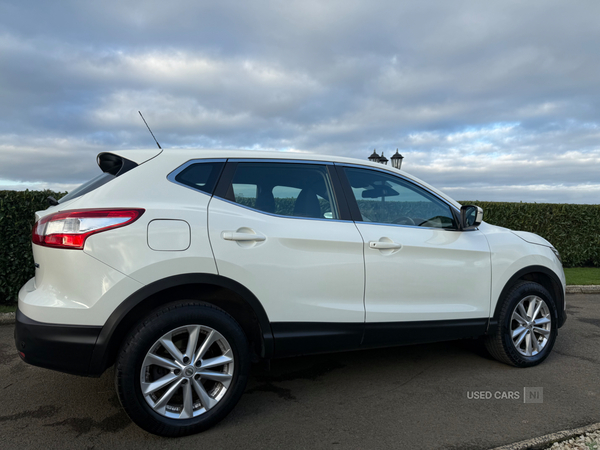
x: 66, y: 348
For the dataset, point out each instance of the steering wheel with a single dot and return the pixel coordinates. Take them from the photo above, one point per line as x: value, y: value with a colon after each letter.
x: 403, y: 220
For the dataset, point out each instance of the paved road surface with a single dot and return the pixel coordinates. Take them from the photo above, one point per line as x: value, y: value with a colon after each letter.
x: 408, y: 397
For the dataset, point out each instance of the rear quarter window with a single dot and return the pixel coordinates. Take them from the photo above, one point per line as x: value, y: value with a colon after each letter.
x: 201, y: 176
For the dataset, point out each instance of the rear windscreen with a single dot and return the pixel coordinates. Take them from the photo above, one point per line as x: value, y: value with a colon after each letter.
x: 88, y: 187
x: 112, y: 167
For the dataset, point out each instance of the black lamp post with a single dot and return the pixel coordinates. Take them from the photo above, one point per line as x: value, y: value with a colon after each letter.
x: 383, y: 160
x: 374, y: 157
x: 397, y: 160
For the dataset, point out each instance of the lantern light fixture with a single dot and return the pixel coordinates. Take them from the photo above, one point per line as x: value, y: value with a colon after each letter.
x: 374, y: 157
x: 397, y: 160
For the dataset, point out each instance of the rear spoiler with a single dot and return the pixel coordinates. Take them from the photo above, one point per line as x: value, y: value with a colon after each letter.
x: 117, y: 163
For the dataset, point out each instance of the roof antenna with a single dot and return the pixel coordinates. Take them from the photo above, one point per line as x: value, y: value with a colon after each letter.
x: 149, y: 130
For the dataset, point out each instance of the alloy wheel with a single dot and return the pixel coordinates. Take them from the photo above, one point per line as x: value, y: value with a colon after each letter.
x: 530, y: 325
x: 187, y: 372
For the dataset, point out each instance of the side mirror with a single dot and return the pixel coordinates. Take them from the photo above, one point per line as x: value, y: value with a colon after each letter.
x: 471, y: 217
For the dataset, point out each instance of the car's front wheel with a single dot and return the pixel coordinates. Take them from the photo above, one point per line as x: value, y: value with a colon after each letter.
x: 527, y: 326
x: 182, y: 369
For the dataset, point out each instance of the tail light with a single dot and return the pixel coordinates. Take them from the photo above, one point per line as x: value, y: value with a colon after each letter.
x: 70, y: 229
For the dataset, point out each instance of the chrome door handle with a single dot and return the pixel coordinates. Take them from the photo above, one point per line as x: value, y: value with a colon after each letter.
x: 245, y: 237
x: 382, y: 245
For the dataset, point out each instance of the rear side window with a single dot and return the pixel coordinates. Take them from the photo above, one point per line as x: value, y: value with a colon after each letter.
x: 286, y: 189
x: 202, y: 176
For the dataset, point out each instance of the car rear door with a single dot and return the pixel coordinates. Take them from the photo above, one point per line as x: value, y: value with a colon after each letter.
x: 280, y: 229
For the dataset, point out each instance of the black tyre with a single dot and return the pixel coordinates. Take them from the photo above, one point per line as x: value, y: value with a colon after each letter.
x: 182, y: 369
x: 527, y: 326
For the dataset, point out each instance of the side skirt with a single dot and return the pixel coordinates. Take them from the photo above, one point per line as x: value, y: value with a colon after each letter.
x: 302, y: 338
x: 406, y: 333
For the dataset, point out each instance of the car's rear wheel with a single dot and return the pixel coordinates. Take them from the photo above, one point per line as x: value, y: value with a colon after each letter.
x: 182, y: 369
x: 527, y: 326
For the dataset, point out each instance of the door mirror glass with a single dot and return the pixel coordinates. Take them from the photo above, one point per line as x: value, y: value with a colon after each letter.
x: 471, y: 217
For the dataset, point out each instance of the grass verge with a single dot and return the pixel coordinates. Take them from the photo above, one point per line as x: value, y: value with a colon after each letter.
x: 583, y: 275
x: 7, y: 309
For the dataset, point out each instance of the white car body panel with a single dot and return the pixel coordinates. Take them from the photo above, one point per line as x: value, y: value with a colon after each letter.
x: 511, y: 253
x: 127, y: 250
x: 436, y: 275
x: 73, y: 288
x: 531, y: 238
x: 304, y: 271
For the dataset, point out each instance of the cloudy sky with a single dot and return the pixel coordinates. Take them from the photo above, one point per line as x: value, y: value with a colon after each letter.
x: 487, y: 100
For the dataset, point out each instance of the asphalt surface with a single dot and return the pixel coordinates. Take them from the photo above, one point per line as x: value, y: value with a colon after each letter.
x: 418, y: 397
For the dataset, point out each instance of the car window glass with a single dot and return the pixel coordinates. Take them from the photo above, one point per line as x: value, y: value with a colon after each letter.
x: 202, y: 176
x: 384, y: 198
x: 89, y: 186
x: 287, y: 189
x: 245, y: 194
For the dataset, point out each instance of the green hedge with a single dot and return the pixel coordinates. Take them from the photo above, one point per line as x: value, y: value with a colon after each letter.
x: 573, y: 229
x: 17, y: 216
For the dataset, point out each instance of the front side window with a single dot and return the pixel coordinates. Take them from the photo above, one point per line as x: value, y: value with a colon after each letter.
x: 286, y: 189
x: 384, y: 198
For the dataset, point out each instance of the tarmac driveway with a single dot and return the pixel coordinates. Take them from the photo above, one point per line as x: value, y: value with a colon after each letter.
x: 448, y: 395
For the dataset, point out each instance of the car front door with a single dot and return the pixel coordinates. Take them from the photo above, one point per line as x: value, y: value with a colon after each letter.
x: 278, y: 229
x: 425, y: 280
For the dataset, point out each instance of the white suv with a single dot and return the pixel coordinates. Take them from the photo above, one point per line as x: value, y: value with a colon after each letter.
x: 182, y: 267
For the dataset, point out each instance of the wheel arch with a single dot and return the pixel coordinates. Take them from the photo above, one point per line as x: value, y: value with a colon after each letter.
x: 539, y: 274
x: 226, y: 294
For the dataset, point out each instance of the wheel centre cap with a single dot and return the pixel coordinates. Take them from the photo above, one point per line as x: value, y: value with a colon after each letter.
x: 189, y: 371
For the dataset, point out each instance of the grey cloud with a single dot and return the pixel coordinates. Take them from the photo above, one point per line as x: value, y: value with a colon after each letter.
x: 476, y: 95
